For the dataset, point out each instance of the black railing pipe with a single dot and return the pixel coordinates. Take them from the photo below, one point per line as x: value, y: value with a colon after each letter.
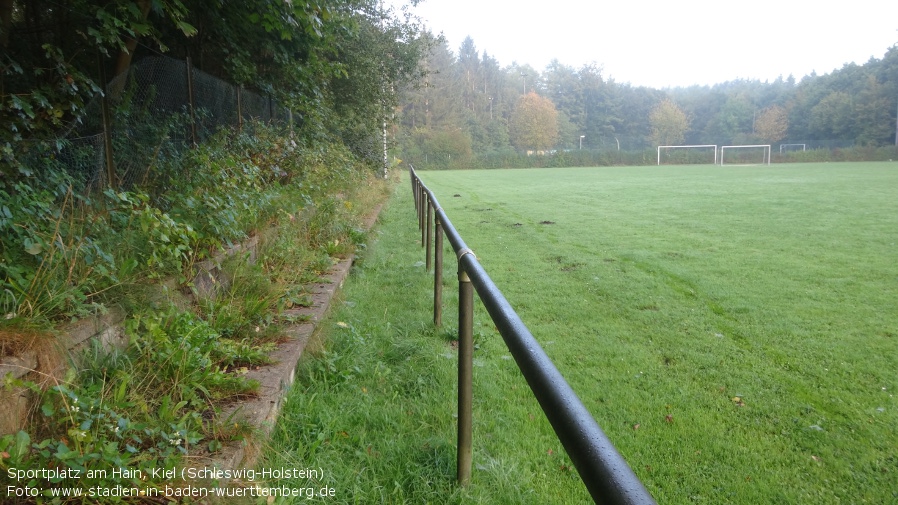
x: 603, y: 470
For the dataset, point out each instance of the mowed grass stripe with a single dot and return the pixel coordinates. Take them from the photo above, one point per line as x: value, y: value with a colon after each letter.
x: 734, y: 330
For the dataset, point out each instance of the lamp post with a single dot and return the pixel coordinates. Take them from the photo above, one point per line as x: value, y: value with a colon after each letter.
x: 491, y: 108
x: 581, y: 141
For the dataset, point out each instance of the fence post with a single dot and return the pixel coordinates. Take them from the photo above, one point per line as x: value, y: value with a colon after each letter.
x: 422, y: 212
x: 465, y: 371
x: 429, y: 233
x: 416, y: 190
x: 190, y: 101
x: 239, y: 109
x: 107, y: 126
x: 412, y: 177
x: 438, y: 272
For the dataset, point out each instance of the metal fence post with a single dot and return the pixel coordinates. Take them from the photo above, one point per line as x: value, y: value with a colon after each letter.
x: 422, y: 212
x: 429, y: 234
x: 437, y: 272
x: 190, y: 101
x: 465, y: 372
x: 412, y: 177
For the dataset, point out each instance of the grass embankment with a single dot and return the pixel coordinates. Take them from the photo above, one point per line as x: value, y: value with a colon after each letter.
x: 160, y: 401
x: 732, y: 330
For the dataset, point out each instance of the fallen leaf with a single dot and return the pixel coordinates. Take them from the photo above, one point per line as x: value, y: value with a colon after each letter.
x: 668, y: 418
x: 635, y: 426
x: 341, y: 324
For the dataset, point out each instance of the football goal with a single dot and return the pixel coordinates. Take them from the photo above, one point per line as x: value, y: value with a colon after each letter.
x: 745, y: 155
x: 688, y: 155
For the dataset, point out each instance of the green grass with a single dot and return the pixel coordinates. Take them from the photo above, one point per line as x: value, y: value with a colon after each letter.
x: 732, y: 330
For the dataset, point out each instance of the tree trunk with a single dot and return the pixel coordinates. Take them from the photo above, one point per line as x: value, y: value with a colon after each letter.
x: 124, y: 57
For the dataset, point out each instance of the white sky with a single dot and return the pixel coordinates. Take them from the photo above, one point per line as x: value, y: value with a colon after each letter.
x: 671, y: 43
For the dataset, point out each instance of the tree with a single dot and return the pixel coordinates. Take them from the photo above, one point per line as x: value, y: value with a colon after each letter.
x: 48, y: 66
x: 669, y: 124
x: 832, y: 118
x: 772, y: 124
x: 733, y: 122
x: 534, y: 123
x: 873, y: 114
x: 377, y: 57
x: 600, y: 109
x: 336, y: 63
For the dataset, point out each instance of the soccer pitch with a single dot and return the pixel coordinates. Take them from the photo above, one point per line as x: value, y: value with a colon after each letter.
x: 733, y: 330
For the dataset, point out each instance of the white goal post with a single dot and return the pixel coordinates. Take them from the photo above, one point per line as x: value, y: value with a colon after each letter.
x: 704, y: 146
x: 750, y: 159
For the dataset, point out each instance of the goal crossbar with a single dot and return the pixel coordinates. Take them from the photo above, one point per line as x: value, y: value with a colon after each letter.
x: 689, y: 146
x: 765, y: 156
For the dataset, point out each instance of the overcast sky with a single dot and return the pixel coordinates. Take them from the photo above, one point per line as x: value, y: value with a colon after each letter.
x: 665, y: 43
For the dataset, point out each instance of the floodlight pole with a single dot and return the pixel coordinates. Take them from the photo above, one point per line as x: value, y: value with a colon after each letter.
x: 524, y: 76
x: 581, y: 141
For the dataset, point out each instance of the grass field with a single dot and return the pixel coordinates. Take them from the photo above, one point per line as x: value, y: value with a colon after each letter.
x: 734, y: 331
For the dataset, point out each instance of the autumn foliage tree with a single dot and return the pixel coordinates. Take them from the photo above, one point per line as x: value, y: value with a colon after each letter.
x: 772, y: 124
x: 534, y: 123
x: 669, y: 124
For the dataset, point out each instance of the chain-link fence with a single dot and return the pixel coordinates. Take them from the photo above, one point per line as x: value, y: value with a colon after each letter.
x: 153, y: 112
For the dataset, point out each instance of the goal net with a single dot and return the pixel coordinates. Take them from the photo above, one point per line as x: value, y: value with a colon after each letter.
x: 745, y: 155
x: 688, y: 155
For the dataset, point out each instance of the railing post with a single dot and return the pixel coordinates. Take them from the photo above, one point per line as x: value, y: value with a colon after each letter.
x: 412, y: 177
x: 422, y: 212
x: 418, y: 201
x: 429, y: 233
x: 437, y: 272
x: 465, y: 371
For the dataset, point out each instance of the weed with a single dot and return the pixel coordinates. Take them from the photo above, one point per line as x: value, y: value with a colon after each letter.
x: 185, y: 359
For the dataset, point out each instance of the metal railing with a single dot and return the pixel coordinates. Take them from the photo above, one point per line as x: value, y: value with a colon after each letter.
x: 603, y: 470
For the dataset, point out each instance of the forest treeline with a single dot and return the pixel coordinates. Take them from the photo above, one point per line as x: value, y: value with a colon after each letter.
x: 472, y: 108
